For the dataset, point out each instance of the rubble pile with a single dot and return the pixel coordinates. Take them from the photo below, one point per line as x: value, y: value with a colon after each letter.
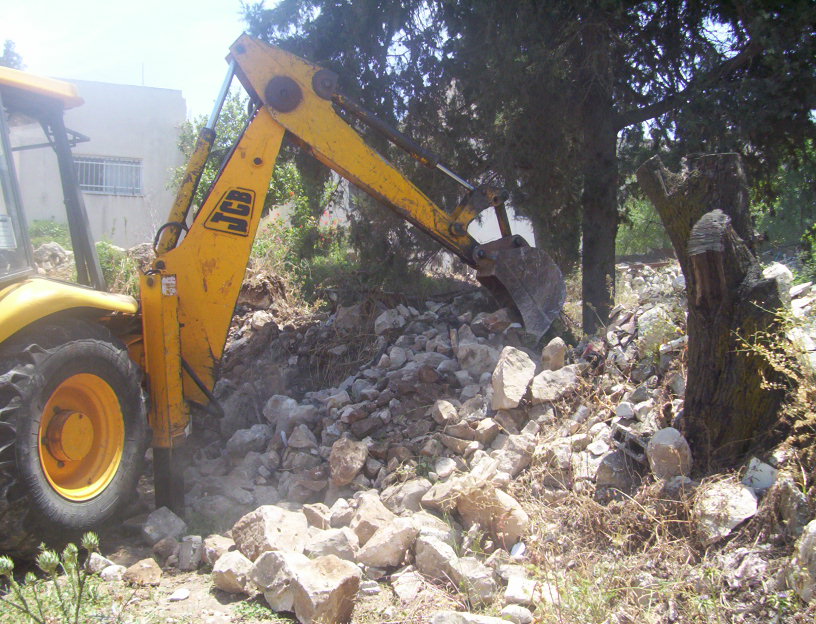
x: 403, y: 473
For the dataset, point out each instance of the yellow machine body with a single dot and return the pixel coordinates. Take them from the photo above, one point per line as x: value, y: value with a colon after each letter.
x: 33, y: 299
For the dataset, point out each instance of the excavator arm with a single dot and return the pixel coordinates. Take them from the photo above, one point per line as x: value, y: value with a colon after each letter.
x: 189, y: 294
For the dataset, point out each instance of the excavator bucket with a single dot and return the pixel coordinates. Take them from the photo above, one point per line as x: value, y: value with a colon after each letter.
x: 522, y: 277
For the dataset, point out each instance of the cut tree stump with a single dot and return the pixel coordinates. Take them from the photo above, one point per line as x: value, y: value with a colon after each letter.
x: 704, y: 209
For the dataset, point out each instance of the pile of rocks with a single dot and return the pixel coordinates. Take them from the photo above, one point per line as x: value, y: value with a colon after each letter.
x: 403, y: 473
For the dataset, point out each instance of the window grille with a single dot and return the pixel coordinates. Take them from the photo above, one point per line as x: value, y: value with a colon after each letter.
x: 109, y: 176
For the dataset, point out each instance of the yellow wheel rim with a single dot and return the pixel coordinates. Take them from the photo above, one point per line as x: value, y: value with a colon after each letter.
x: 81, y: 437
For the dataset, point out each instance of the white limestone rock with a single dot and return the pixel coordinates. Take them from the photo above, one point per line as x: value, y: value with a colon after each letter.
x: 511, y: 377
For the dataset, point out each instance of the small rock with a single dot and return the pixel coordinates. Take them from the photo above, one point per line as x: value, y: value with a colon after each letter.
x: 759, y: 476
x: 370, y: 515
x: 270, y: 528
x: 669, y: 454
x: 517, y: 614
x: 370, y: 588
x: 550, y: 386
x: 144, y: 572
x: 182, y: 593
x: 721, y: 506
x: 779, y: 272
x: 793, y: 506
x: 324, y: 590
x: 616, y: 471
x: 231, y: 572
x: 215, y: 546
x: 96, y: 563
x: 407, y: 496
x: 387, y: 546
x: 407, y: 584
x: 473, y: 356
x: 625, y: 409
x: 275, y: 574
x: 515, y: 454
x: 388, y: 321
x: 244, y: 441
x: 317, y: 515
x: 476, y: 580
x: 346, y: 460
x: 801, y: 571
x: 340, y: 513
x: 495, y: 511
x: 444, y: 467
x: 341, y: 542
x: 527, y: 592
x: 113, y: 573
x: 162, y: 523
x: 554, y: 354
x: 435, y: 559
x: 443, y: 412
x: 511, y: 377
x: 191, y: 553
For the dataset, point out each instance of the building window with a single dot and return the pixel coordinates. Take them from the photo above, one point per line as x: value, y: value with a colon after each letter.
x: 109, y: 176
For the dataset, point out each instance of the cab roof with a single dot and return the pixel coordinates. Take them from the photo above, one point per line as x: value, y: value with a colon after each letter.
x: 59, y: 90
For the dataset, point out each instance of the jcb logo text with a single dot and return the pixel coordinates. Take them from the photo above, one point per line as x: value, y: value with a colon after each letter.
x: 233, y: 212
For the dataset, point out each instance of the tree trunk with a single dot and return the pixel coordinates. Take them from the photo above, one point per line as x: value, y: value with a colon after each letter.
x: 599, y: 200
x: 600, y: 227
x: 705, y: 212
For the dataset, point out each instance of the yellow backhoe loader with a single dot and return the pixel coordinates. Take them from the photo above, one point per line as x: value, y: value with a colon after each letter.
x: 88, y: 378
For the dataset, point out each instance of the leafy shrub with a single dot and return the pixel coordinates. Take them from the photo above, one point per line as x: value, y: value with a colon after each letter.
x: 120, y: 271
x: 47, y: 230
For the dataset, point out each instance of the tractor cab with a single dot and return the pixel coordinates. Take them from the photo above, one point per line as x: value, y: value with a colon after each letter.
x: 31, y: 118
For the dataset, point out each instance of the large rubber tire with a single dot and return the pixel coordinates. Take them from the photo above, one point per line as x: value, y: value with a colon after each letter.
x: 73, y: 432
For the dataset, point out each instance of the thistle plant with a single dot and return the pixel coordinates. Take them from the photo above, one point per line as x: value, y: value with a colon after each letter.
x: 61, y: 589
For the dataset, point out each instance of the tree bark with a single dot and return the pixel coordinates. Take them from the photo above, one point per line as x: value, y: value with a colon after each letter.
x: 600, y: 227
x: 599, y: 199
x: 704, y: 209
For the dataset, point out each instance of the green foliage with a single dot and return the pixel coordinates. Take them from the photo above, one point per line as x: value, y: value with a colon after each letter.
x: 11, y: 58
x: 47, y: 230
x: 784, y: 206
x: 809, y: 254
x: 120, y: 271
x: 256, y: 610
x: 642, y: 230
x: 63, y: 595
x: 231, y: 123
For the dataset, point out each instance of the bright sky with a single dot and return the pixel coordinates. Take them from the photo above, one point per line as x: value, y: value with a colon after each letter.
x: 173, y: 44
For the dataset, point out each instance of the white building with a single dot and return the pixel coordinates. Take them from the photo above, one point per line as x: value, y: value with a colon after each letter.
x: 124, y: 170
